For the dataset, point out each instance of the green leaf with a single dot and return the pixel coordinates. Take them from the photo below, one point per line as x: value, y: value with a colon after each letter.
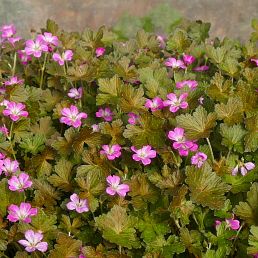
x: 8, y: 197
x: 43, y: 127
x: 199, y: 124
x: 248, y: 211
x: 179, y: 41
x: 118, y: 227
x: 230, y: 113
x: 52, y: 26
x: 62, y: 178
x: 33, y: 144
x: 216, y: 55
x: 232, y: 137
x: 253, y: 241
x: 251, y: 138
x: 109, y: 91
x: 149, y: 131
x: 66, y: 247
x: 18, y: 93
x: 206, y: 187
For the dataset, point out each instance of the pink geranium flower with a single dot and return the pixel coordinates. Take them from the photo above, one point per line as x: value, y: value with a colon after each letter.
x: 48, y: 38
x: 133, y: 118
x: 244, y: 168
x: 176, y: 103
x: 19, y: 183
x: 106, y: 114
x: 8, y: 31
x: 95, y: 128
x: 198, y: 159
x: 201, y: 68
x: 33, y: 242
x: 75, y: 93
x: 66, y: 56
x: 15, y: 111
x: 188, y: 59
x: 200, y: 100
x: 36, y: 47
x: 191, y: 84
x: 234, y: 224
x: 13, y: 40
x: 8, y: 166
x: 112, y: 152
x: 144, y: 155
x: 161, y: 40
x: 22, y: 213
x: 115, y: 186
x: 23, y: 57
x: 177, y: 135
x: 4, y: 130
x: 80, y: 205
x: 72, y: 117
x: 174, y: 63
x: 100, y: 51
x: 13, y: 81
x: 255, y: 61
x: 154, y: 104
x: 2, y: 156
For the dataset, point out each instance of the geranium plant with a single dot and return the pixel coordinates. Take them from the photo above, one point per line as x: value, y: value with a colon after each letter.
x: 137, y: 148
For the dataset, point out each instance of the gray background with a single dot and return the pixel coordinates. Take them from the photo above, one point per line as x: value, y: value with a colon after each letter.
x: 230, y: 18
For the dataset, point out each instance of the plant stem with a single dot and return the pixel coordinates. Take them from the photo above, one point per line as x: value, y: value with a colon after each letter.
x: 211, y: 151
x: 10, y: 139
x: 120, y: 249
x: 228, y: 154
x: 14, y: 63
x: 43, y: 70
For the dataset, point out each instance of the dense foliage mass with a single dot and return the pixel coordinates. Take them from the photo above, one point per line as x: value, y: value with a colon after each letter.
x: 138, y: 148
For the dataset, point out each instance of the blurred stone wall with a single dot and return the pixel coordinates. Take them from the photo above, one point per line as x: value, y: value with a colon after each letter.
x: 228, y: 17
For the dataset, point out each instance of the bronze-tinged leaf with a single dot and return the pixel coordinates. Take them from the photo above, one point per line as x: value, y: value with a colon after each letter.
x: 125, y: 70
x: 248, y: 211
x: 230, y: 113
x: 199, y: 124
x: 251, y: 138
x: 43, y: 127
x: 206, y: 187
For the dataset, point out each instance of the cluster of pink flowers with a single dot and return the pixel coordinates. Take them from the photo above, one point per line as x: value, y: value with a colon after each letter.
x: 115, y: 187
x: 182, y: 64
x: 181, y: 144
x: 111, y: 152
x: 72, y: 117
x: 7, y: 34
x: 243, y: 167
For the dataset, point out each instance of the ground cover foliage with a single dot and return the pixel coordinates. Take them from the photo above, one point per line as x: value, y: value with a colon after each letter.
x: 140, y: 147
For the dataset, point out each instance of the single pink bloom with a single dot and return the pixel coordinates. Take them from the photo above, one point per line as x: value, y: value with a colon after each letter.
x: 161, y: 40
x: 198, y: 159
x: 4, y: 102
x: 2, y: 156
x: 234, y: 224
x: 4, y: 130
x: 217, y: 223
x: 75, y: 93
x: 144, y: 155
x: 15, y: 111
x: 255, y: 255
x: 22, y: 213
x: 174, y: 63
x: 36, y: 47
x: 154, y: 104
x: 33, y: 242
x: 66, y: 56
x: 72, y: 117
x: 9, y: 166
x: 201, y: 68
x: 23, y: 57
x: 177, y: 135
x: 48, y: 38
x: 175, y: 103
x: 13, y: 40
x: 13, y: 81
x: 184, y: 147
x: 188, y: 59
x: 115, y: 186
x: 191, y: 84
x: 82, y: 256
x: 106, y: 114
x: 100, y: 51
x: 80, y: 205
x: 112, y: 152
x: 244, y: 168
x: 95, y: 128
x: 255, y: 60
x: 19, y: 183
x: 133, y: 118
x: 8, y: 31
